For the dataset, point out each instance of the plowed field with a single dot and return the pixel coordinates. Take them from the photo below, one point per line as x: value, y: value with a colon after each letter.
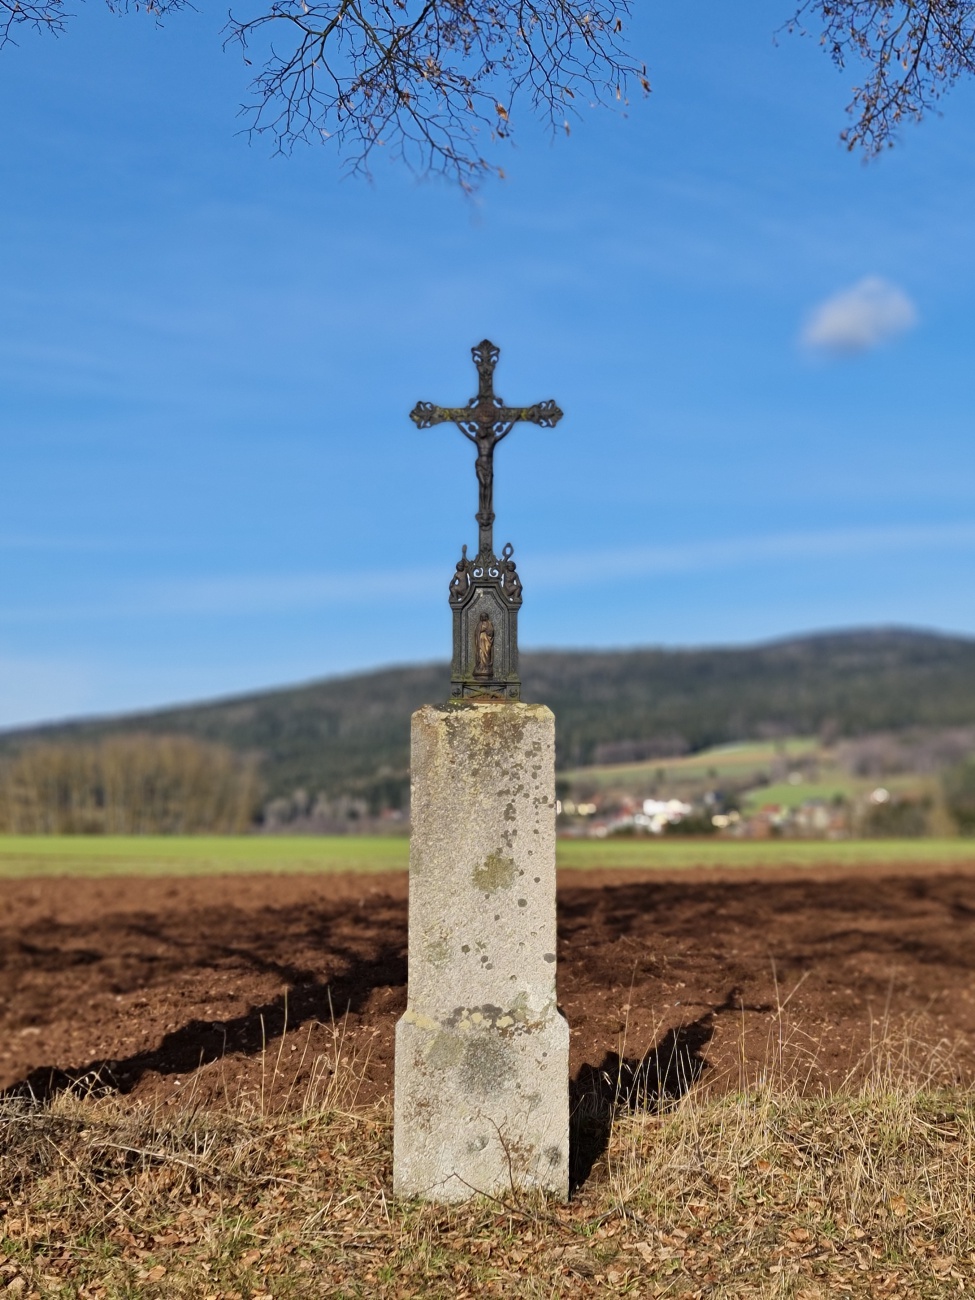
x: 166, y: 988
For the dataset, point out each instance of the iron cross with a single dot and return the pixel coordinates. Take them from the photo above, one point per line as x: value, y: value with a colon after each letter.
x: 485, y: 420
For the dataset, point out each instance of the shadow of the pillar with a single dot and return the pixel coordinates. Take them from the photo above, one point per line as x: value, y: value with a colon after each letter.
x: 658, y: 1079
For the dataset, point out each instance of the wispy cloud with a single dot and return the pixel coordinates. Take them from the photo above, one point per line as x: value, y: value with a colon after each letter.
x: 269, y: 593
x: 255, y: 594
x: 858, y: 319
x: 227, y: 596
x: 654, y: 561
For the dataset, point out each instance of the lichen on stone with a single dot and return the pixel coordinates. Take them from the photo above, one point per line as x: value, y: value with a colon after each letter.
x: 495, y: 872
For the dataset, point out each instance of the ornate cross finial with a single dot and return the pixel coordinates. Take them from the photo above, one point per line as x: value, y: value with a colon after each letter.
x: 485, y: 593
x: 485, y: 420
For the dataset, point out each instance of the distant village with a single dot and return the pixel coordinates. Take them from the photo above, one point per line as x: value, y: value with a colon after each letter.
x: 811, y: 819
x: 881, y: 785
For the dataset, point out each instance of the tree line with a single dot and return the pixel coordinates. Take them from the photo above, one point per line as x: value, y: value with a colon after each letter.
x: 128, y: 785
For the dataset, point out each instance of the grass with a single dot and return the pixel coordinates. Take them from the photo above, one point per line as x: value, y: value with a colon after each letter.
x: 759, y: 1193
x: 673, y: 852
x: 835, y: 783
x: 161, y: 855
x: 791, y: 796
x: 723, y: 762
x: 36, y: 855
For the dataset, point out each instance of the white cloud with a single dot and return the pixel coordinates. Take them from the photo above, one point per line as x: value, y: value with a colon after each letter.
x: 860, y: 318
x: 253, y: 594
x: 727, y: 553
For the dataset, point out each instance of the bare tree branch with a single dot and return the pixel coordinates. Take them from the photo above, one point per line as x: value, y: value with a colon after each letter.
x: 436, y: 83
x: 432, y: 82
x: 51, y: 15
x: 912, y: 52
x: 42, y: 15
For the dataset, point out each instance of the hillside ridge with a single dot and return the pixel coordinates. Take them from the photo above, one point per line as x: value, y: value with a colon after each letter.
x: 350, y: 734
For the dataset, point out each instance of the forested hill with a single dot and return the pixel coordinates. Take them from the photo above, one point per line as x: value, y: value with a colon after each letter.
x: 351, y: 734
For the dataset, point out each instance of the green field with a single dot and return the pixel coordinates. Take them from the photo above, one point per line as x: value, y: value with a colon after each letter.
x: 674, y: 852
x: 22, y: 856
x: 200, y: 855
x: 721, y: 763
x: 790, y: 795
x: 836, y: 784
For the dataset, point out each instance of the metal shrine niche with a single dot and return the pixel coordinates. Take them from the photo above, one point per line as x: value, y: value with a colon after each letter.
x: 485, y: 592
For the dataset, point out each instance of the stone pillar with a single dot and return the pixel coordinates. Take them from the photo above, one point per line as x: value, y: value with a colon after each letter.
x: 482, y: 1052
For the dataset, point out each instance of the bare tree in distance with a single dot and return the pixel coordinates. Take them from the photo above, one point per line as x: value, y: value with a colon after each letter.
x: 435, y: 83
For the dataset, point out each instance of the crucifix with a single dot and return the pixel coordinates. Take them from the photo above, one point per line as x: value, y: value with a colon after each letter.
x: 485, y: 420
x: 485, y: 593
x: 481, y: 1090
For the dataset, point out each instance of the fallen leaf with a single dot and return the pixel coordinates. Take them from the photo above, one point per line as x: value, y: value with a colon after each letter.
x: 579, y: 1262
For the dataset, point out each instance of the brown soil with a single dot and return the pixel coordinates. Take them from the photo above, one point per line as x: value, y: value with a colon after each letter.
x: 175, y: 987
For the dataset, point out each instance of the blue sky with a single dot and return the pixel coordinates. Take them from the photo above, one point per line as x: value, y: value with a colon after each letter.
x: 208, y: 355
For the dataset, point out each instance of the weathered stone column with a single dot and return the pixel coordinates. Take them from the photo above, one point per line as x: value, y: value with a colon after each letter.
x: 482, y: 1071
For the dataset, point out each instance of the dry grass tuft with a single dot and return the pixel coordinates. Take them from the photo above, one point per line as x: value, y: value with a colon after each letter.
x: 763, y: 1192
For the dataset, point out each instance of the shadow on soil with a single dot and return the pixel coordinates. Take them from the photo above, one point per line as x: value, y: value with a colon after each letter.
x: 200, y: 1042
x: 652, y: 1082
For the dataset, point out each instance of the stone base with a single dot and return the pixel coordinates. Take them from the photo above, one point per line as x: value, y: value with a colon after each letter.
x: 474, y: 1108
x: 482, y: 1071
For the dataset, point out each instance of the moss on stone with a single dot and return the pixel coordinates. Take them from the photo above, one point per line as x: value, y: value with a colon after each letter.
x: 495, y: 872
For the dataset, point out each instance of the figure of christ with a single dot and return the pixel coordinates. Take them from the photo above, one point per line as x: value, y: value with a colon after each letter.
x: 484, y: 647
x: 486, y: 441
x: 485, y: 420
